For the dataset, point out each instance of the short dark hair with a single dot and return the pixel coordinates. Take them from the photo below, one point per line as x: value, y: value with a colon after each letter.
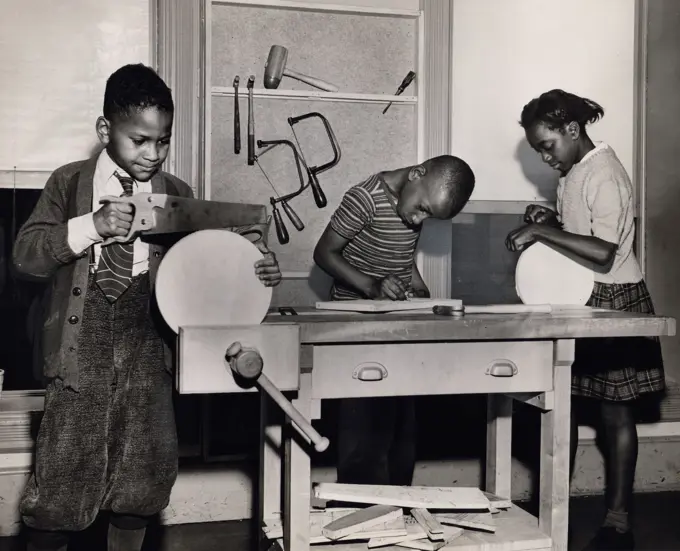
x: 135, y: 88
x: 557, y: 108
x: 454, y: 175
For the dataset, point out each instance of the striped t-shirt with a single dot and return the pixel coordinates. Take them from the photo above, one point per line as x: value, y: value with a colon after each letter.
x: 380, y: 243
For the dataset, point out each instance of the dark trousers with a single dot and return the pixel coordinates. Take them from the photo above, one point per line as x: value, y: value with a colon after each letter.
x: 112, y: 445
x: 376, y: 441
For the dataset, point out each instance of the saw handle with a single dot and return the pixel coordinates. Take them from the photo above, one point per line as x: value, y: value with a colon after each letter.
x: 319, y: 195
x: 142, y: 219
x: 248, y: 364
x: 281, y: 231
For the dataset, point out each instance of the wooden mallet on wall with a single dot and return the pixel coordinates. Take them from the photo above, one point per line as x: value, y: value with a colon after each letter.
x: 275, y: 69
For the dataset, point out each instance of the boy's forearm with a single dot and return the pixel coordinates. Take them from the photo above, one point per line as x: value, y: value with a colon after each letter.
x: 341, y: 270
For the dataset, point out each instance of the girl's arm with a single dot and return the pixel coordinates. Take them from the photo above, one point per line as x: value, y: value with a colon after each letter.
x: 592, y: 249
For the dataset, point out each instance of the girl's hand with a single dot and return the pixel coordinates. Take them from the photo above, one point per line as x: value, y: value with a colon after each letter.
x: 268, y: 269
x: 537, y: 214
x: 519, y: 239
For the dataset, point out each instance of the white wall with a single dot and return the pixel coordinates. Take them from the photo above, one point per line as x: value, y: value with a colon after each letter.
x: 55, y: 58
x: 507, y: 52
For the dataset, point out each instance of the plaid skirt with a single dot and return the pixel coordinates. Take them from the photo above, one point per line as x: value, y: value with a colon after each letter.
x: 618, y: 369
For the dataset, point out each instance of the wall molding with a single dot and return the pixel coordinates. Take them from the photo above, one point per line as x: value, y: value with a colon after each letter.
x: 436, y: 241
x: 640, y: 128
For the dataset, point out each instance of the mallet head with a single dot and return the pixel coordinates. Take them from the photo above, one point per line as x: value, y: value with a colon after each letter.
x: 275, y: 66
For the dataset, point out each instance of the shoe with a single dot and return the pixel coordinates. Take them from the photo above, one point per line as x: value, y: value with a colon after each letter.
x: 609, y: 537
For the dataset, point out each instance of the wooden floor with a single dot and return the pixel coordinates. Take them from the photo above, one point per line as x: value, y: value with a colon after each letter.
x: 656, y: 524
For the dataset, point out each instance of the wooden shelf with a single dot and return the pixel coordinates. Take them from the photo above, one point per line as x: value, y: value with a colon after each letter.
x: 340, y: 97
x: 316, y: 6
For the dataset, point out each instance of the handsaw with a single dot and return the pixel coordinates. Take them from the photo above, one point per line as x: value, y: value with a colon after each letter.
x: 159, y: 213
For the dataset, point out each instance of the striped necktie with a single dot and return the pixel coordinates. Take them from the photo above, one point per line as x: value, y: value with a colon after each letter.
x: 114, y: 271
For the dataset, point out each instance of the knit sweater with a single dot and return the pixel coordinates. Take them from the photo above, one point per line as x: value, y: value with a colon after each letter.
x: 596, y: 198
x: 41, y: 251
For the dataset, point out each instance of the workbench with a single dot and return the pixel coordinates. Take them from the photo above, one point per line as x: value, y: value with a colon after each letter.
x: 326, y: 355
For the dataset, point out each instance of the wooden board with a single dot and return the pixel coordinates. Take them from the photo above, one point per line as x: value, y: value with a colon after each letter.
x: 335, y: 327
x: 450, y: 534
x: 208, y: 278
x: 273, y: 528
x: 435, y: 531
x: 404, y: 496
x: 362, y: 519
x: 382, y: 48
x: 361, y: 305
x: 478, y: 521
x: 414, y: 532
x: 499, y: 502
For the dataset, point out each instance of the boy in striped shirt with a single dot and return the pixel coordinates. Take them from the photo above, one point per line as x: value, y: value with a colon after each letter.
x: 369, y: 249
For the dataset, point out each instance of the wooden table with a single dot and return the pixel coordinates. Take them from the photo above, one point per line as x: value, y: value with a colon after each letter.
x: 325, y: 355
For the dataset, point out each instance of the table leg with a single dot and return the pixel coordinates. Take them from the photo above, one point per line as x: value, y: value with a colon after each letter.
x: 499, y: 445
x: 298, y: 476
x: 555, y: 433
x: 269, y: 487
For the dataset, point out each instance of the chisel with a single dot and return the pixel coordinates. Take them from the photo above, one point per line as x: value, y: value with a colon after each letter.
x: 404, y: 84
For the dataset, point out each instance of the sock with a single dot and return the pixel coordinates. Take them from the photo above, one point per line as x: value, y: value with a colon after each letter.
x: 618, y: 520
x: 120, y: 539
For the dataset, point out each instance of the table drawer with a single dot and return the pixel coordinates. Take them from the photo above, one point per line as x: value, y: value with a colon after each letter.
x: 345, y: 371
x: 203, y: 369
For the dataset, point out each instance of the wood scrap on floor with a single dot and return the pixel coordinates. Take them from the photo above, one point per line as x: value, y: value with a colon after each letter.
x: 435, y: 531
x: 426, y: 544
x: 361, y: 520
x: 436, y: 516
x: 498, y: 502
x: 273, y: 528
x: 414, y: 531
x: 479, y: 521
x: 426, y: 497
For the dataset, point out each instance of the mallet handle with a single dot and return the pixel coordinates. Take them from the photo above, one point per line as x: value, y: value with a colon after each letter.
x: 304, y: 426
x: 312, y: 81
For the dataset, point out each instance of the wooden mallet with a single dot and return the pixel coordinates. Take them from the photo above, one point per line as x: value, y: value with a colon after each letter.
x: 247, y: 364
x: 275, y: 69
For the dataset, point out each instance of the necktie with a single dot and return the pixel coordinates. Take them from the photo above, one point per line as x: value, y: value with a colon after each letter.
x: 114, y: 271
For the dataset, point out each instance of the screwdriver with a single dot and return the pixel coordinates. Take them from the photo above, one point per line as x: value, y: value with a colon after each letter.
x: 404, y: 84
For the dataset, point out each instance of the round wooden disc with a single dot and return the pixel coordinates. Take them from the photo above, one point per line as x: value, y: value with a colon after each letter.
x: 208, y: 278
x: 546, y: 276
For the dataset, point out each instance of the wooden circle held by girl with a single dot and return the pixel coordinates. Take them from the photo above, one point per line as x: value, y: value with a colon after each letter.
x: 546, y: 276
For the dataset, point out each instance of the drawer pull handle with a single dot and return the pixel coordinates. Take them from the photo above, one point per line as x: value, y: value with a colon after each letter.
x: 502, y: 368
x: 370, y: 371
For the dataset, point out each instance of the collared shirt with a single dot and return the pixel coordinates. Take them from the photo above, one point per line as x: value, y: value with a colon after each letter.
x: 82, y: 233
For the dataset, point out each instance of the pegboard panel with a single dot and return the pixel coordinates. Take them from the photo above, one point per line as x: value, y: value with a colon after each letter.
x: 357, y: 53
x: 369, y: 142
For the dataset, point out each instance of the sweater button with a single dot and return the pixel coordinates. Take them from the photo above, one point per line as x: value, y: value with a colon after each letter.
x: 156, y: 254
x: 73, y: 320
x: 77, y: 291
